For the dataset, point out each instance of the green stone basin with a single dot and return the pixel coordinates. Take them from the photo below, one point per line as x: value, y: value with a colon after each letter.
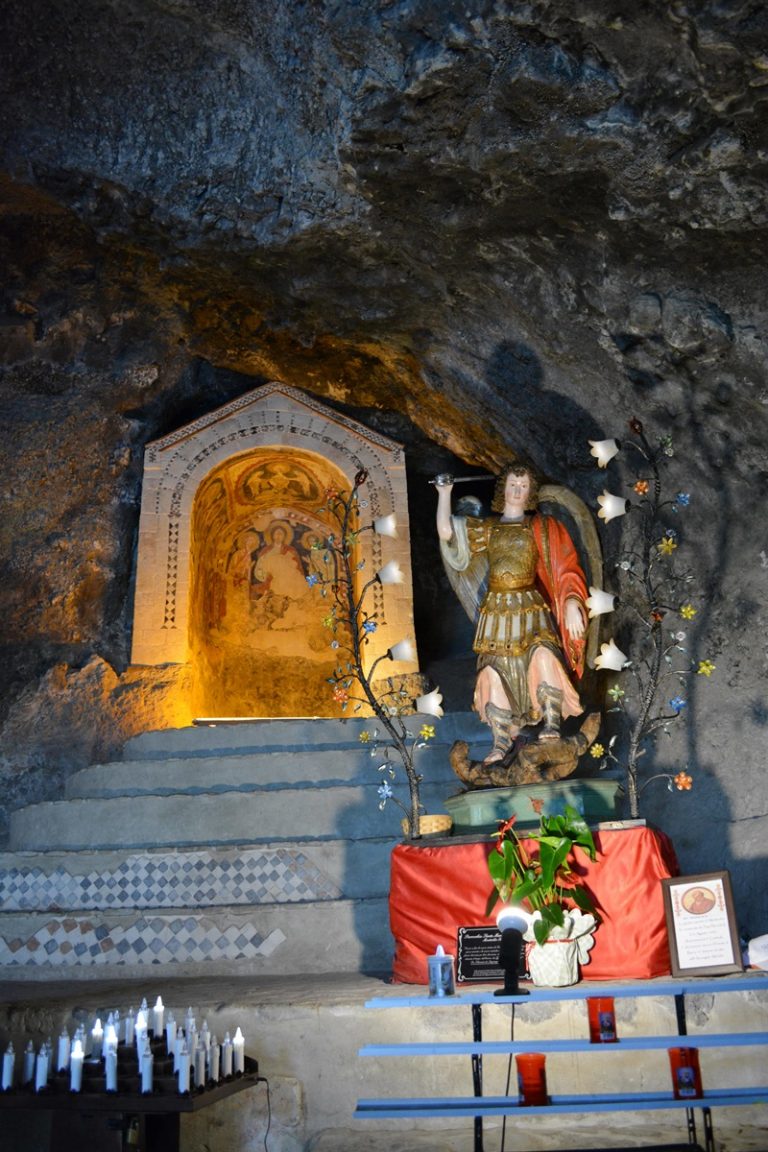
x: 481, y: 809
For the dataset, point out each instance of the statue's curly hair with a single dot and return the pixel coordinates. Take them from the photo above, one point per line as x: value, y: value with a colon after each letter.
x: 497, y: 503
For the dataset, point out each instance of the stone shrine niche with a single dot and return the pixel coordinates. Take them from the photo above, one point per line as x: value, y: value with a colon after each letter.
x: 231, y: 508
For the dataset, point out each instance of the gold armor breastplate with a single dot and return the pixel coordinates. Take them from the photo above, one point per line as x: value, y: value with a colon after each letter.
x: 512, y: 556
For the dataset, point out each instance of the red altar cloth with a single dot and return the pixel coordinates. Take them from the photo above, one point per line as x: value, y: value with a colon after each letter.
x: 436, y: 890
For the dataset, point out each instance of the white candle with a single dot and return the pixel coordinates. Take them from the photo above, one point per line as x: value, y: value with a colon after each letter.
x: 158, y: 1015
x: 76, y: 1066
x: 41, y: 1068
x: 62, y: 1062
x: 147, y: 1063
x: 129, y: 1027
x: 110, y: 1038
x: 214, y: 1059
x: 170, y: 1032
x: 205, y: 1035
x: 140, y: 1027
x: 29, y: 1064
x: 9, y: 1060
x: 200, y: 1055
x: 226, y: 1056
x: 189, y: 1021
x: 238, y: 1049
x: 97, y: 1039
x: 111, y: 1069
x: 183, y: 1069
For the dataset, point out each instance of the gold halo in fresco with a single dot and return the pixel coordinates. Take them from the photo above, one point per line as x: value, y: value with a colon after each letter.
x: 288, y: 528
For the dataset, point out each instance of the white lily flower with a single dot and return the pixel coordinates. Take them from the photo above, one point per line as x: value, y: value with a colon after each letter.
x: 611, y: 506
x: 603, y: 451
x: 611, y: 657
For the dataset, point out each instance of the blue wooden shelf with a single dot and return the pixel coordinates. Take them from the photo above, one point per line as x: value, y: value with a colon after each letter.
x: 688, y: 986
x: 446, y: 1107
x: 503, y: 1047
x: 478, y: 1106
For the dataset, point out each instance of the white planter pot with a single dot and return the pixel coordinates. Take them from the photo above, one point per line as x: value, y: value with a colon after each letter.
x: 554, y: 964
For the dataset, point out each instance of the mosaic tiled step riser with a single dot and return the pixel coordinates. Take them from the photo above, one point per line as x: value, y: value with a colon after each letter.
x: 172, y: 880
x: 288, y: 939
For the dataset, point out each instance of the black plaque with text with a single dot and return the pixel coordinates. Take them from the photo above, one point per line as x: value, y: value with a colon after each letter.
x: 477, y: 955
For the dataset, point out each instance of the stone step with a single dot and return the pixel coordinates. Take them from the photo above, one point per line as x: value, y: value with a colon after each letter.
x: 348, y: 812
x: 191, y: 775
x: 267, y: 940
x: 282, y: 873
x: 304, y: 735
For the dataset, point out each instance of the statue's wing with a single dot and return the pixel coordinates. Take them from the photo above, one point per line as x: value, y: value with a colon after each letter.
x: 587, y: 543
x: 467, y: 574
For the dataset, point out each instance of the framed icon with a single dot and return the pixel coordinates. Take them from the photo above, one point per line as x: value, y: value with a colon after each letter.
x: 701, y: 924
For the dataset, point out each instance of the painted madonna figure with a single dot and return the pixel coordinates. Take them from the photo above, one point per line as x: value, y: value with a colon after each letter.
x: 518, y: 575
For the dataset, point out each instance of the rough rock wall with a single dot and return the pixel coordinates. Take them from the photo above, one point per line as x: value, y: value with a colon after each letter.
x: 500, y: 228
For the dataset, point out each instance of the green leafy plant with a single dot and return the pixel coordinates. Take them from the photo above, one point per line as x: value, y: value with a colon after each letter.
x: 541, y: 875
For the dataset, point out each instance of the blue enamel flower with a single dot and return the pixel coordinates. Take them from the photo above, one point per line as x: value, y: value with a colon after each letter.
x: 369, y: 626
x: 385, y: 790
x: 677, y: 704
x: 683, y: 498
x: 313, y: 579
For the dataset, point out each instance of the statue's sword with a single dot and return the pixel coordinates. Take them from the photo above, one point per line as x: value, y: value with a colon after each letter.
x: 445, y: 478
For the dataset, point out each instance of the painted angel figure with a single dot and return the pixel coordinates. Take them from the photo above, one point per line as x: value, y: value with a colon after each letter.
x: 518, y: 575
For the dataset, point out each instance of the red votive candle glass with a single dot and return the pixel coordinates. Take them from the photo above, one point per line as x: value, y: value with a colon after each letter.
x: 602, y: 1020
x: 531, y: 1078
x: 686, y: 1076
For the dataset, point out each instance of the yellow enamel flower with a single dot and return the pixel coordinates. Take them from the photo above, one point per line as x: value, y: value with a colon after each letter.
x: 597, y: 750
x: 706, y: 668
x: 427, y: 731
x: 364, y: 737
x: 667, y: 546
x: 687, y: 611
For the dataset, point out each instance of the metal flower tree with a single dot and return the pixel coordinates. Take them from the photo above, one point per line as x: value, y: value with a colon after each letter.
x: 341, y: 581
x: 654, y: 601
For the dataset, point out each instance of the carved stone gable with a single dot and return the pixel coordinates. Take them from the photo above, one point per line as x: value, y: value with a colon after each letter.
x: 232, y: 518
